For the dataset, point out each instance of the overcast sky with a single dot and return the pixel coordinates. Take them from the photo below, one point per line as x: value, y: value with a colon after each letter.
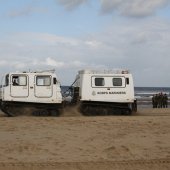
x: 70, y: 35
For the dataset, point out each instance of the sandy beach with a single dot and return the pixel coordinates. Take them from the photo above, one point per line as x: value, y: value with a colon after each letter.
x: 75, y: 142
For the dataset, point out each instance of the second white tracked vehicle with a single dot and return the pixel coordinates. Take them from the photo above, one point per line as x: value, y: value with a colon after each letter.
x: 104, y: 92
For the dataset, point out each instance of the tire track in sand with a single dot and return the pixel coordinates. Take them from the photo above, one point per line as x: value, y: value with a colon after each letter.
x: 156, y: 164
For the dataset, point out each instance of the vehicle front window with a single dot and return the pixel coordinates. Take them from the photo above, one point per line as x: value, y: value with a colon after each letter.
x: 19, y: 80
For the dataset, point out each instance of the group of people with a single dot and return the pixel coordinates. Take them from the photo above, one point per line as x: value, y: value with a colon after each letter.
x: 160, y: 100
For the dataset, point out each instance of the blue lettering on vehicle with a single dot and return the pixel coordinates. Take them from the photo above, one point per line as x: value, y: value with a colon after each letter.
x: 119, y: 92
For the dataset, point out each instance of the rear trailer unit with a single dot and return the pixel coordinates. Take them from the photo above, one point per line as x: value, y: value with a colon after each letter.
x: 104, y: 92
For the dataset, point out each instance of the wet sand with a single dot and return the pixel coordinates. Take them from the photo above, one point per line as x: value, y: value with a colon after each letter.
x: 140, y: 141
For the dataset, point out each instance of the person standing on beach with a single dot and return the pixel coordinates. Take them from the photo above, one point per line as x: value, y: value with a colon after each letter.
x: 153, y: 101
x: 160, y: 100
x: 165, y: 100
x: 156, y: 100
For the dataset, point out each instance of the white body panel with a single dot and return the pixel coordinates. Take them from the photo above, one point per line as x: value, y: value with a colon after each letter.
x: 33, y: 87
x: 91, y: 90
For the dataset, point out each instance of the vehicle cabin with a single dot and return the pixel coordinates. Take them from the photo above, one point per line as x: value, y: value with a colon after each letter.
x: 35, y: 87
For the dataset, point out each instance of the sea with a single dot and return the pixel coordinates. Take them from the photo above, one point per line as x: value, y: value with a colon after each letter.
x: 142, y: 94
x: 150, y: 91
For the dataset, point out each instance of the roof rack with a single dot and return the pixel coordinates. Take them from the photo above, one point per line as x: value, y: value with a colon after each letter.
x: 106, y: 71
x: 44, y: 71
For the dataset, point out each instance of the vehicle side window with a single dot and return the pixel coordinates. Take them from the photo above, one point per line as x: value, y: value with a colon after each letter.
x: 43, y: 80
x: 127, y: 80
x: 99, y: 82
x: 117, y: 81
x: 19, y: 80
x: 7, y: 80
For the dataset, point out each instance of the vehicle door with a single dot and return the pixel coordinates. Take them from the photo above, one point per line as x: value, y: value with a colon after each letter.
x: 19, y: 85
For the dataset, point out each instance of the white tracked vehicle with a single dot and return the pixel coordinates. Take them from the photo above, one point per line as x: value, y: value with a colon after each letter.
x: 36, y: 93
x: 104, y: 92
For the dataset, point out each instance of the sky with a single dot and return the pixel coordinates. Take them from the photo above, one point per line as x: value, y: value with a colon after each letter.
x: 71, y: 35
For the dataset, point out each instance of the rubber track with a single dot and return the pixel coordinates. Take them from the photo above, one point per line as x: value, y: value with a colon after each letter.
x: 162, y: 164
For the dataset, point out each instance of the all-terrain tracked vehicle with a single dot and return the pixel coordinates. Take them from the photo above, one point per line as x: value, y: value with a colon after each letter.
x: 36, y: 93
x: 104, y: 92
